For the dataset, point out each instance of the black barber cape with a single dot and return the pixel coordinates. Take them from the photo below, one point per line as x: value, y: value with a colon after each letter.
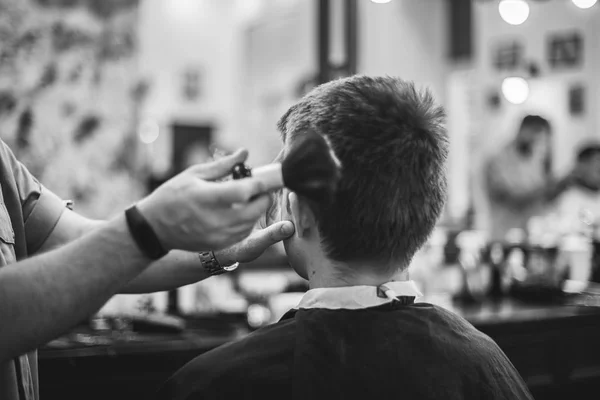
x: 398, y: 350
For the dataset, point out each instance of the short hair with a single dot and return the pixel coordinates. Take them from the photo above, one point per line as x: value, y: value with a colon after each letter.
x: 536, y: 123
x: 392, y: 144
x: 587, y: 151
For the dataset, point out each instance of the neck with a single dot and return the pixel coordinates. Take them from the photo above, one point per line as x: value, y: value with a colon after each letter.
x: 326, y: 274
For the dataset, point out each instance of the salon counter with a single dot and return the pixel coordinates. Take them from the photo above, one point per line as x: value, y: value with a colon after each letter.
x: 555, y: 347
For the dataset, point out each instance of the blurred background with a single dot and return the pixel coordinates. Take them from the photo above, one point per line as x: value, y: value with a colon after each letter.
x: 105, y: 99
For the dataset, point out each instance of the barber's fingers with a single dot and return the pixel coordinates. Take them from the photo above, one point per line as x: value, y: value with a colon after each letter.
x: 243, y: 217
x: 272, y: 234
x: 220, y: 168
x: 254, y: 210
x: 236, y: 191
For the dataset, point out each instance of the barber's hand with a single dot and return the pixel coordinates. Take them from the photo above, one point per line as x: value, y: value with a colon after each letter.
x: 255, y: 245
x: 192, y: 212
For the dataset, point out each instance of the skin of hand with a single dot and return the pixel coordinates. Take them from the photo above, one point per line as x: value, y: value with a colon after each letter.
x: 193, y: 212
x: 255, y: 245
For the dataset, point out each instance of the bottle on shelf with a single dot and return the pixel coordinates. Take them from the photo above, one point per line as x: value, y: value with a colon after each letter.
x: 595, y: 274
x: 470, y: 244
x: 515, y: 265
x: 496, y: 256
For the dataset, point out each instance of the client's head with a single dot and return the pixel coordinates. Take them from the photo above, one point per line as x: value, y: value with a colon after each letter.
x: 391, y: 142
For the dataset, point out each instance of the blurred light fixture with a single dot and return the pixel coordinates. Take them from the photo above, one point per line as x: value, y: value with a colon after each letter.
x: 258, y: 316
x: 183, y: 8
x: 514, y: 12
x: 584, y: 3
x: 515, y: 89
x: 148, y: 131
x: 381, y: 1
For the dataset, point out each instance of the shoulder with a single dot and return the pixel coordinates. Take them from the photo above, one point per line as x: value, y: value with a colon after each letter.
x: 7, y: 162
x: 7, y: 157
x: 260, y: 361
x: 455, y: 328
x: 474, y: 350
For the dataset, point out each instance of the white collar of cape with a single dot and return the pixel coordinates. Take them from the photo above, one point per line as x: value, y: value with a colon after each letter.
x: 355, y: 297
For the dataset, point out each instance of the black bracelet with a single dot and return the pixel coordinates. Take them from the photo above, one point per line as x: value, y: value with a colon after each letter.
x: 143, y: 234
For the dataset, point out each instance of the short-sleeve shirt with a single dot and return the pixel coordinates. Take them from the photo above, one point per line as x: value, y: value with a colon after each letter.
x: 28, y: 214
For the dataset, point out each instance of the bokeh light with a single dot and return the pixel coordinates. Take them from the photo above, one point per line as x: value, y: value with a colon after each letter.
x: 515, y: 89
x: 514, y: 12
x: 584, y: 3
x: 148, y: 131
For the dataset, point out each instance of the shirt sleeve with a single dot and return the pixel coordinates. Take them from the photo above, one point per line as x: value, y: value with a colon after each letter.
x: 41, y: 208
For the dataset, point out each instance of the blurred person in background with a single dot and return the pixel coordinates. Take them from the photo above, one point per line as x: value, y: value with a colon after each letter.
x: 58, y: 267
x: 518, y: 179
x: 582, y: 198
x: 357, y: 333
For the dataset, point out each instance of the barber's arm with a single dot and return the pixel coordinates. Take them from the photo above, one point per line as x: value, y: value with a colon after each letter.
x: 181, y: 268
x: 45, y: 295
x: 178, y: 268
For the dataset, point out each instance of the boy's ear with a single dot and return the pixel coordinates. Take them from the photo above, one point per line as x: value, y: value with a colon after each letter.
x: 302, y: 215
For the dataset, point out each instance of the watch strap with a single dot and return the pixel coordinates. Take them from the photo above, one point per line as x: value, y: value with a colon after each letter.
x: 143, y: 234
x: 212, y: 265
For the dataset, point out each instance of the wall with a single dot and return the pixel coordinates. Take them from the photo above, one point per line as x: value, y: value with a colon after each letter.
x: 177, y: 36
x: 243, y: 49
x: 256, y: 53
x: 405, y: 38
x: 67, y: 74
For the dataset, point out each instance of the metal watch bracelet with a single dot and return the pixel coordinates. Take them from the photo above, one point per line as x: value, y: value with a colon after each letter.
x: 212, y: 266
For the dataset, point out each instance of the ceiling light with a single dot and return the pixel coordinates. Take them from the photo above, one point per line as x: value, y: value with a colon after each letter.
x: 584, y: 3
x: 515, y: 89
x: 148, y: 131
x: 514, y: 12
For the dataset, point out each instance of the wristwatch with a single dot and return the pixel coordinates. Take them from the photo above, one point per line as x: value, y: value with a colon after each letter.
x: 212, y: 266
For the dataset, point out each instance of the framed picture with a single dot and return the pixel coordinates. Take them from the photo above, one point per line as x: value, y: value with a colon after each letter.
x: 508, y: 55
x: 565, y: 50
x: 577, y: 100
x: 192, y: 84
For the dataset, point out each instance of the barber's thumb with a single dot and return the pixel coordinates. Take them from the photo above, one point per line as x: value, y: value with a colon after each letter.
x: 219, y: 168
x: 276, y: 232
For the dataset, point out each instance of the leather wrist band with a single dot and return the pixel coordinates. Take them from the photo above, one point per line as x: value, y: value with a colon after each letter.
x: 143, y: 234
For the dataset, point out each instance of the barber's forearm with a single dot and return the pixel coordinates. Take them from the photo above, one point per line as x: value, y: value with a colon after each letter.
x: 178, y: 268
x: 44, y: 296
